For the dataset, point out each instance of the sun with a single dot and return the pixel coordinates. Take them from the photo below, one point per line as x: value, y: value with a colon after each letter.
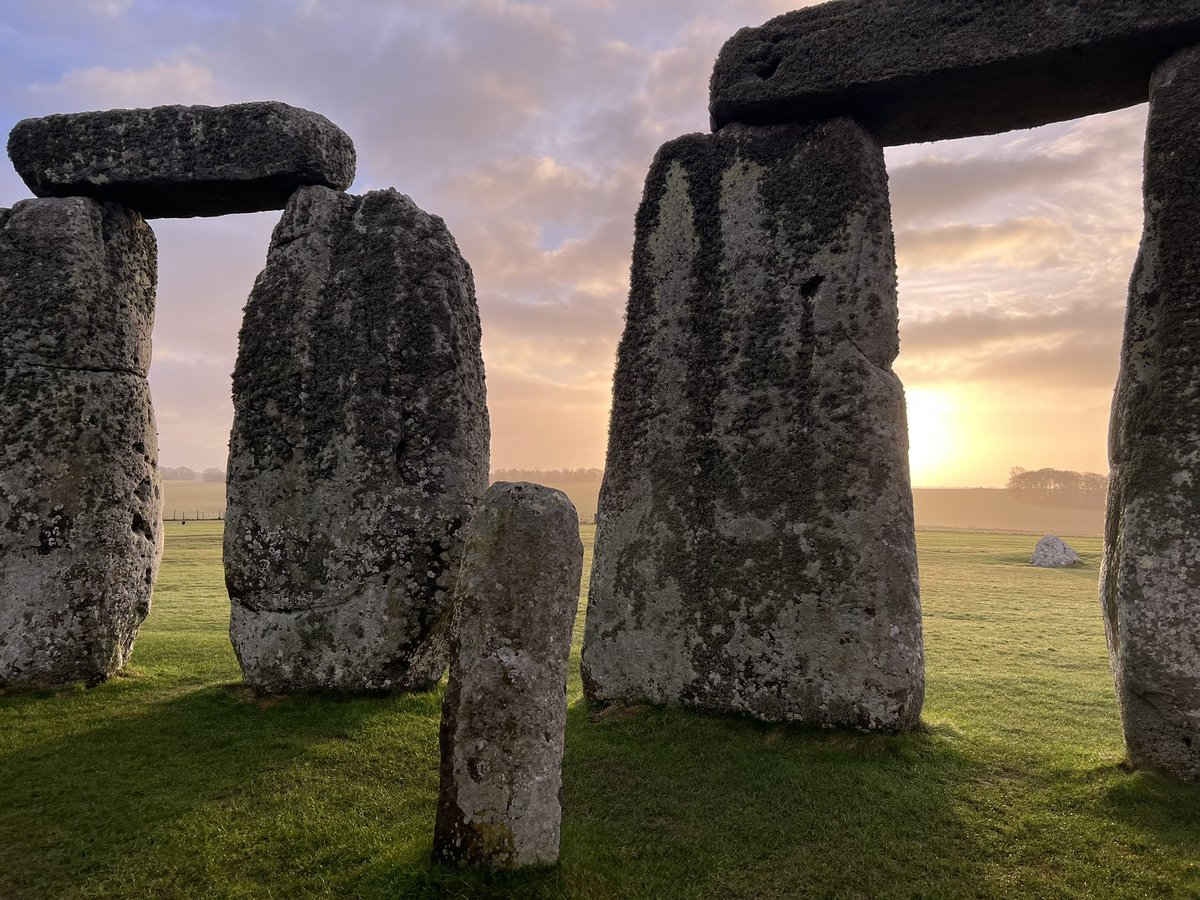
x: 931, y: 434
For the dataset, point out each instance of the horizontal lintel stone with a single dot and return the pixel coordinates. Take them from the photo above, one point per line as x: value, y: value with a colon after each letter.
x: 183, y: 161
x: 926, y: 70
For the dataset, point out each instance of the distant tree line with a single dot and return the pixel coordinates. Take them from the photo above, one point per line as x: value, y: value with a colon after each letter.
x: 183, y: 473
x: 547, y: 476
x: 1058, y: 487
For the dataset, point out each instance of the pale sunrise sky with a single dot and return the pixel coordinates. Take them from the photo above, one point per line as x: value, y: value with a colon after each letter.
x: 529, y: 127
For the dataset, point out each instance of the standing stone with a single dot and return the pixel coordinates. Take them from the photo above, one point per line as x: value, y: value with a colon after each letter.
x: 1150, y: 587
x: 359, y: 446
x: 80, y: 496
x: 505, y: 710
x: 180, y: 161
x: 1053, y: 553
x: 755, y: 548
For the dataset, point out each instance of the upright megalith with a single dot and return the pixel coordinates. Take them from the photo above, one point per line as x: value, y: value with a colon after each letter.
x: 80, y: 497
x: 181, y: 161
x: 359, y: 446
x: 1150, y: 586
x: 505, y: 709
x: 927, y: 70
x: 755, y: 548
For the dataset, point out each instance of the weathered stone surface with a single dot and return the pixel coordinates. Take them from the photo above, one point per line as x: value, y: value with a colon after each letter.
x: 1053, y: 553
x: 925, y: 70
x: 80, y: 522
x: 182, y: 161
x: 80, y: 497
x: 1150, y: 587
x: 505, y: 710
x: 755, y: 547
x: 77, y: 282
x: 359, y: 446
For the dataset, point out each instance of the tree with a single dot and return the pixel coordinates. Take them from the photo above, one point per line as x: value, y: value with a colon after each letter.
x: 213, y: 475
x: 1058, y: 486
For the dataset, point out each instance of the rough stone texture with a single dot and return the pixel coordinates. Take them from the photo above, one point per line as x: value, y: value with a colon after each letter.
x: 505, y: 710
x: 77, y: 286
x: 80, y: 497
x: 924, y: 70
x: 1150, y: 588
x: 182, y: 161
x: 1053, y: 553
x: 359, y: 446
x: 755, y: 548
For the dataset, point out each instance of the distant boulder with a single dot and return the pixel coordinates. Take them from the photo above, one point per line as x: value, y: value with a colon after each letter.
x: 1053, y: 553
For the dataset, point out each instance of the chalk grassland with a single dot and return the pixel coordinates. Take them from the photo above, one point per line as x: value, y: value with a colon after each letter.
x: 193, y: 499
x: 973, y: 509
x: 176, y: 782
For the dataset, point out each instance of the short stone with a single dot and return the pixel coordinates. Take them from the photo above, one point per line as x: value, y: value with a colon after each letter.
x: 505, y: 709
x: 183, y: 161
x: 1053, y: 553
x: 359, y: 447
x: 1150, y: 585
x: 77, y: 284
x: 926, y: 70
x: 755, y: 549
x: 80, y: 522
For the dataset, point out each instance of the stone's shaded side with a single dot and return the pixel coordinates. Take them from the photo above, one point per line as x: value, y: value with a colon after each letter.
x: 505, y: 709
x: 182, y: 161
x: 754, y: 548
x: 77, y: 281
x: 926, y: 70
x: 80, y: 496
x: 1053, y: 553
x: 1150, y: 588
x: 359, y: 446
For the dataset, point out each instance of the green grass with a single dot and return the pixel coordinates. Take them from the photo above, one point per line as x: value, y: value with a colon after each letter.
x: 173, y: 781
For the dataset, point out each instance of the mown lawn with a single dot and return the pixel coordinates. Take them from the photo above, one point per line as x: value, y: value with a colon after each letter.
x: 173, y: 781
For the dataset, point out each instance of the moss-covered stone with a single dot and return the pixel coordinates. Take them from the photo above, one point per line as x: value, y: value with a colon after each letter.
x: 359, y: 446
x: 505, y: 710
x: 755, y: 547
x: 1150, y: 589
x: 926, y: 70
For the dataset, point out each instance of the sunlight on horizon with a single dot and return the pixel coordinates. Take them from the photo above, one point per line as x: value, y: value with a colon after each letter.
x: 932, y: 440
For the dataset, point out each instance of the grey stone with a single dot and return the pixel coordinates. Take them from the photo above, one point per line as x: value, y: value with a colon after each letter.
x: 505, y: 710
x: 1150, y: 587
x: 925, y: 70
x: 80, y: 523
x: 182, y: 161
x: 77, y: 282
x: 80, y: 497
x: 359, y: 446
x: 755, y: 549
x: 1053, y: 553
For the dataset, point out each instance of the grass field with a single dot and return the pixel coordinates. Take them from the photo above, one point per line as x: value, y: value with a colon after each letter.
x: 173, y: 781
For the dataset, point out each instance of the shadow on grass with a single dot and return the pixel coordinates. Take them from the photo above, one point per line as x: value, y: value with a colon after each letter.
x: 85, y: 801
x: 666, y: 802
x: 1154, y: 806
x: 217, y: 792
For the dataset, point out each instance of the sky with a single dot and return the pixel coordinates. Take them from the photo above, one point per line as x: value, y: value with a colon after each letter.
x: 529, y: 127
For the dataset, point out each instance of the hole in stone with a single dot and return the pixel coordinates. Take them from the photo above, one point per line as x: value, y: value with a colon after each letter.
x: 768, y: 68
x: 142, y: 527
x: 809, y: 289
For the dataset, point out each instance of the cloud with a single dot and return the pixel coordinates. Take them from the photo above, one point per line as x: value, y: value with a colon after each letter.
x: 110, y: 8
x: 937, y: 185
x: 529, y: 127
x: 179, y: 81
x: 1030, y: 242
